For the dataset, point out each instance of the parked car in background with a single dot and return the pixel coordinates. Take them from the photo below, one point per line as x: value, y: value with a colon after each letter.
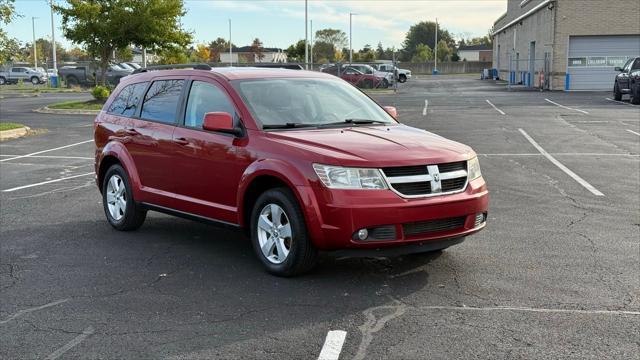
x: 628, y: 81
x: 299, y: 160
x: 280, y: 66
x: 134, y: 65
x: 370, y: 70
x: 402, y: 75
x: 125, y: 66
x: 15, y: 74
x: 90, y: 75
x: 356, y: 77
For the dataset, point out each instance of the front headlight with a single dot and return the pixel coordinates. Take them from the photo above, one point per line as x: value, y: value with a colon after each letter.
x: 338, y: 177
x: 473, y: 168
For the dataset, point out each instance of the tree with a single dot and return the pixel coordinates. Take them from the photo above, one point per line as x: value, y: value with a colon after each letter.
x: 124, y: 54
x: 424, y: 33
x: 103, y: 26
x: 257, y: 50
x: 8, y: 46
x: 76, y: 54
x: 423, y: 53
x: 217, y: 47
x: 296, y: 52
x: 379, y: 51
x: 323, y: 52
x: 202, y: 53
x: 443, y: 50
x: 335, y: 37
x: 173, y: 55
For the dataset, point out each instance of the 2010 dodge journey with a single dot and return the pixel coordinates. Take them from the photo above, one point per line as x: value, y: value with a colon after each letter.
x: 302, y: 161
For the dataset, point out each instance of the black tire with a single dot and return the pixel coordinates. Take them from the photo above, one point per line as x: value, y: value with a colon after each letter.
x: 402, y: 78
x: 35, y: 80
x: 617, y: 95
x: 635, y: 94
x: 302, y: 254
x: 385, y: 83
x: 72, y: 81
x: 134, y: 215
x: 2, y: 80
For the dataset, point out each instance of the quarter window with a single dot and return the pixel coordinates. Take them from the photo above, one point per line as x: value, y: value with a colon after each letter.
x: 128, y: 99
x: 161, y: 101
x: 204, y: 98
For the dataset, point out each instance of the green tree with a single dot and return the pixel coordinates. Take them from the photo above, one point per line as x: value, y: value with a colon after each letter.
x: 322, y: 52
x: 424, y: 33
x: 443, y: 50
x: 8, y: 46
x: 173, y: 55
x: 103, y: 26
x: 335, y: 37
x: 423, y: 53
x: 380, y: 51
x: 295, y: 52
x: 217, y: 47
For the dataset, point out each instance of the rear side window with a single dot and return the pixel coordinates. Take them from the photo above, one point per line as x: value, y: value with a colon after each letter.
x: 161, y: 101
x: 128, y: 99
x: 204, y: 98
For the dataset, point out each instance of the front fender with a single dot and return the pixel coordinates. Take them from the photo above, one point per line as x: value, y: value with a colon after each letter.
x: 120, y: 152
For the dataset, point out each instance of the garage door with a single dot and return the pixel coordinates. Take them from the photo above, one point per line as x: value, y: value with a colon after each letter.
x: 592, y: 60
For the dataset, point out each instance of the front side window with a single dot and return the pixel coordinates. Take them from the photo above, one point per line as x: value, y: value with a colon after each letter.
x: 161, y: 101
x: 627, y: 65
x: 636, y: 64
x: 128, y: 99
x: 18, y: 70
x: 308, y: 102
x: 204, y: 98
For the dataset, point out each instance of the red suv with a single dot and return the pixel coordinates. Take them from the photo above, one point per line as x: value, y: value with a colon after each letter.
x: 302, y: 161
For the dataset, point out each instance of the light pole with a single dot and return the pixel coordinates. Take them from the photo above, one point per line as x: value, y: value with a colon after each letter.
x: 311, y: 46
x: 435, y: 47
x: 230, y: 46
x: 350, y: 44
x: 53, y: 38
x: 35, y: 54
x: 306, y: 37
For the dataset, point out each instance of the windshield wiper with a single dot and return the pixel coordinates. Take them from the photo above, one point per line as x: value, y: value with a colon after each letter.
x: 288, y: 125
x: 353, y: 121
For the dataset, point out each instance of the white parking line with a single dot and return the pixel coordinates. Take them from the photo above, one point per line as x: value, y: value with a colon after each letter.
x: 53, y: 157
x: 425, y: 108
x: 44, y: 151
x: 46, y: 182
x: 633, y: 132
x: 68, y: 346
x: 566, y: 107
x: 557, y: 163
x: 561, y: 154
x: 26, y: 311
x: 493, y: 106
x: 534, y: 310
x: 621, y: 102
x: 332, y: 345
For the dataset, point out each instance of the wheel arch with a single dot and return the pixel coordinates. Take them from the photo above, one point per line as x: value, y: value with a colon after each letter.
x: 116, y: 153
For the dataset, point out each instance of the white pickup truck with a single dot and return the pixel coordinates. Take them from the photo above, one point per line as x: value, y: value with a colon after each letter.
x: 22, y: 73
x: 403, y: 74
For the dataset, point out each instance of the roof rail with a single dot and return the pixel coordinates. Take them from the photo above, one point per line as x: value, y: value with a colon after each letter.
x: 196, y: 66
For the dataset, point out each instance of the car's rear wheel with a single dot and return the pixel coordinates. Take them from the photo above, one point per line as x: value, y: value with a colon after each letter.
x: 35, y: 80
x: 617, y: 95
x: 72, y: 81
x: 122, y: 212
x: 402, y: 78
x: 3, y: 81
x: 279, y: 234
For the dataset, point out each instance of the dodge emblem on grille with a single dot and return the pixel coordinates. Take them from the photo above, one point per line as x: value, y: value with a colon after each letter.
x: 436, y: 177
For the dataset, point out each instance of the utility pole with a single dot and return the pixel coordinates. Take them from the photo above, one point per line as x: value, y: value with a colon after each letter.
x: 350, y: 38
x: 435, y: 48
x: 306, y: 37
x: 230, y: 46
x: 53, y: 38
x: 311, y: 45
x: 35, y: 54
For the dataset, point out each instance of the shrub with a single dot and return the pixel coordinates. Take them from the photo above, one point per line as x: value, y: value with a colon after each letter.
x: 100, y: 93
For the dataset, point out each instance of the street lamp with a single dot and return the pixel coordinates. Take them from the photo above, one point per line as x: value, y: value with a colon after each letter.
x: 350, y: 46
x: 53, y: 38
x: 35, y: 55
x: 230, y: 46
x: 306, y: 37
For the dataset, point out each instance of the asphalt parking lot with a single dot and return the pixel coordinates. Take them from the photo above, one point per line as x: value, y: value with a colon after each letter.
x: 554, y: 275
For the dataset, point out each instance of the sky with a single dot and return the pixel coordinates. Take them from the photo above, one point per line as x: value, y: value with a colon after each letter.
x: 281, y: 23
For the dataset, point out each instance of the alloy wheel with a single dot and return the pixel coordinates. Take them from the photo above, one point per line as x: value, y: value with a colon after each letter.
x: 116, y: 197
x: 274, y: 233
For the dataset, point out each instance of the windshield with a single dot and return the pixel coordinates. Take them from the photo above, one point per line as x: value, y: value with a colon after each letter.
x: 309, y: 102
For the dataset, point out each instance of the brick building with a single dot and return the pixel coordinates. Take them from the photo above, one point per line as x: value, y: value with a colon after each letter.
x: 576, y: 43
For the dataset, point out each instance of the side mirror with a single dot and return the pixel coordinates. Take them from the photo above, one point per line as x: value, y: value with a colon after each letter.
x: 219, y: 121
x: 617, y: 68
x: 391, y: 110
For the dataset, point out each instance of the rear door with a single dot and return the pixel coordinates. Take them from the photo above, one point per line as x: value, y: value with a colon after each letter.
x: 207, y: 164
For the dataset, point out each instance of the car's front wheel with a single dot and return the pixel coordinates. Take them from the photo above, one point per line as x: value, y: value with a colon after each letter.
x: 2, y: 81
x: 402, y: 78
x: 279, y: 234
x: 35, y: 80
x: 122, y: 212
x: 617, y: 95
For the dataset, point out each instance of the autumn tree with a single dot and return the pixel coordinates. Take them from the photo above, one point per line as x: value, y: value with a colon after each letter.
x: 257, y: 50
x: 102, y: 26
x: 201, y: 53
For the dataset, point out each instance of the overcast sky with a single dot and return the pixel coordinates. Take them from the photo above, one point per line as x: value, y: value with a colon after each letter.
x: 281, y: 23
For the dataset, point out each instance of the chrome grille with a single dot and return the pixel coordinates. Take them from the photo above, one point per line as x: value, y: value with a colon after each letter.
x: 427, y: 180
x: 432, y: 226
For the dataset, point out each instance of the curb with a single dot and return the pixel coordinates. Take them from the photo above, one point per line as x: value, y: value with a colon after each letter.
x: 47, y: 110
x: 14, y: 133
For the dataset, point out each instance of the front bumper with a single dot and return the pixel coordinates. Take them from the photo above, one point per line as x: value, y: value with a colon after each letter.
x: 335, y: 216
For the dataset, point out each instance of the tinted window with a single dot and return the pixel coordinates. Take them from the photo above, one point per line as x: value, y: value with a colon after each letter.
x: 161, y: 101
x: 627, y: 65
x: 204, y: 98
x: 636, y: 64
x: 18, y: 70
x: 128, y: 99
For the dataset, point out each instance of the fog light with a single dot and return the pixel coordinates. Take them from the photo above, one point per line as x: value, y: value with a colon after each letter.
x: 363, y: 234
x: 480, y: 218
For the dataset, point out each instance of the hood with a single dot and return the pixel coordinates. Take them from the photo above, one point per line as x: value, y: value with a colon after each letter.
x: 374, y: 146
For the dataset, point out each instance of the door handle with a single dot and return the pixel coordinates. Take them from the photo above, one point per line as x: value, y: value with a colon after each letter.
x: 181, y: 141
